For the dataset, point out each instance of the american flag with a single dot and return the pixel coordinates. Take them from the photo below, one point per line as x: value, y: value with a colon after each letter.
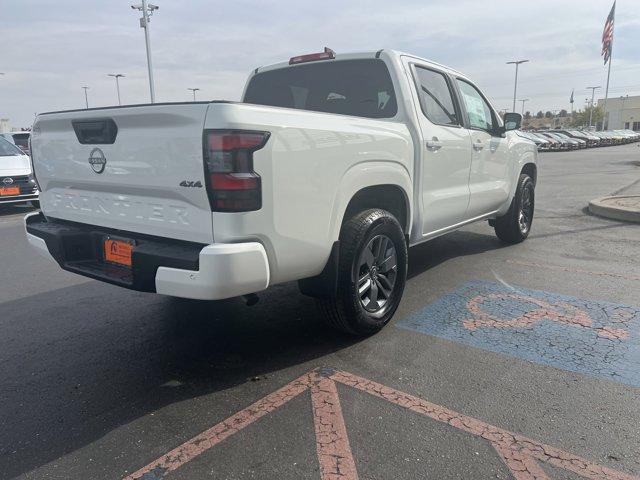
x: 607, y: 35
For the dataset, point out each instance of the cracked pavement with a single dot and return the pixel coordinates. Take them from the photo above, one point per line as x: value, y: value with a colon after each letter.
x: 542, y: 382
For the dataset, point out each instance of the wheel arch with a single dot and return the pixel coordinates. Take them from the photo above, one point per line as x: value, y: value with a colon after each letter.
x: 381, y: 185
x: 385, y: 185
x: 530, y: 169
x: 389, y: 197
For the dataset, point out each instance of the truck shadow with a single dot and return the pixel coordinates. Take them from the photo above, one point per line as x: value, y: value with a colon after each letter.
x: 79, y: 362
x: 453, y: 245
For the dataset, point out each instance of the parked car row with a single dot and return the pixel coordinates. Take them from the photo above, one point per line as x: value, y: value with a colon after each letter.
x: 558, y: 140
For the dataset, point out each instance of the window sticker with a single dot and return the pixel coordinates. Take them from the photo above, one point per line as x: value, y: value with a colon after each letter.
x: 475, y: 107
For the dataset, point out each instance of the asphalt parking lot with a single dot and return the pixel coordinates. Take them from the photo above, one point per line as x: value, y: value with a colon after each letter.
x: 502, y: 362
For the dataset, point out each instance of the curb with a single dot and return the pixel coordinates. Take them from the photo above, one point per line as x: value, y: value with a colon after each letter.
x: 618, y: 207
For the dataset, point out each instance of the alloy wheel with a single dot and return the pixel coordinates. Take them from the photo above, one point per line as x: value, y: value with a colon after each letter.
x: 377, y: 272
x: 525, y: 217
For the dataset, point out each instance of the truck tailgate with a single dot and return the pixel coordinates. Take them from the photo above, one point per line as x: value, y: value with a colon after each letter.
x: 122, y: 168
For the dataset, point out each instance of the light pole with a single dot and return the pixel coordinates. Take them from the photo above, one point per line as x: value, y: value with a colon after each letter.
x: 515, y: 85
x: 117, y: 76
x: 194, y: 90
x: 147, y: 10
x: 593, y: 92
x: 586, y: 105
x: 86, y: 97
x: 523, y: 100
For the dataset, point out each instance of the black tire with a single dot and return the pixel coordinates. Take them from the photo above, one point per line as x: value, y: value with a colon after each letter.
x: 362, y: 238
x: 515, y: 225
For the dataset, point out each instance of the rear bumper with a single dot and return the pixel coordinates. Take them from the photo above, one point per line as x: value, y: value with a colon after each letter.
x: 19, y: 198
x: 175, y: 268
x: 226, y: 270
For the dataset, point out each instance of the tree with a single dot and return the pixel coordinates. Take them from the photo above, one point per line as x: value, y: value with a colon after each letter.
x: 563, y: 113
x: 527, y: 114
x: 548, y: 114
x: 539, y: 114
x: 581, y: 117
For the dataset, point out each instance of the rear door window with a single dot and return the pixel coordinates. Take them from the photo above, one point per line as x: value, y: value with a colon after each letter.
x: 436, y: 97
x: 349, y: 87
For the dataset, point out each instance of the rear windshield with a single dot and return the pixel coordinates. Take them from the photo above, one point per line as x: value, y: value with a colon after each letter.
x: 8, y: 149
x: 349, y: 87
x: 21, y: 139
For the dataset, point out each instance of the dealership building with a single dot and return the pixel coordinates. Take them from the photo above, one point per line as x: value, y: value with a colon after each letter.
x: 623, y: 112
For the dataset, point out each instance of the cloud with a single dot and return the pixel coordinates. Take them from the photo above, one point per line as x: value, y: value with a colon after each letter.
x: 57, y: 47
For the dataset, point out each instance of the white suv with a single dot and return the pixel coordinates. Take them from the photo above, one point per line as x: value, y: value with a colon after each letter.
x: 19, y: 139
x: 17, y: 184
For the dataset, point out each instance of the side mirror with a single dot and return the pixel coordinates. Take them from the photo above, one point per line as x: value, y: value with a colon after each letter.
x: 512, y: 121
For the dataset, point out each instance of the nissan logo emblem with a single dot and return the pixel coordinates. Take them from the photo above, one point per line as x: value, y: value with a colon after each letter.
x: 7, y: 181
x: 97, y: 160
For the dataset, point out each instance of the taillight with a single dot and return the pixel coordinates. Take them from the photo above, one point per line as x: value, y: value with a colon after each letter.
x: 33, y: 170
x: 232, y: 185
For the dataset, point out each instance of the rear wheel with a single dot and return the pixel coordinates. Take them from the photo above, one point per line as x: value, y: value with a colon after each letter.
x: 372, y: 272
x: 515, y: 225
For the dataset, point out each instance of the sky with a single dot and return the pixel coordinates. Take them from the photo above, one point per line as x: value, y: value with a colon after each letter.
x: 51, y: 48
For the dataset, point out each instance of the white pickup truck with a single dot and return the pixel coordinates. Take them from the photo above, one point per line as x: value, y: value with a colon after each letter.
x: 326, y: 172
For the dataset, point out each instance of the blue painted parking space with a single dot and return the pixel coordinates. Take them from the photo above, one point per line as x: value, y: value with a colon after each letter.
x: 585, y: 336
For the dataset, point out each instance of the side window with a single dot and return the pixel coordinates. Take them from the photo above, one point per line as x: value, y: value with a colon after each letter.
x: 436, y: 98
x: 478, y: 109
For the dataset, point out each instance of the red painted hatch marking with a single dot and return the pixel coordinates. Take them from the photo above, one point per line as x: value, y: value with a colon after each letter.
x: 520, y: 454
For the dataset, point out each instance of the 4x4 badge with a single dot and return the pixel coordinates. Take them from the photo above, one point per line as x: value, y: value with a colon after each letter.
x: 191, y: 184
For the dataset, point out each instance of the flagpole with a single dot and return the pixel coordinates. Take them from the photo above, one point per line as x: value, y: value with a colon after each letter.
x: 606, y: 91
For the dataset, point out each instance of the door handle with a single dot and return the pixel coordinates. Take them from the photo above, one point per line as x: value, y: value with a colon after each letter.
x: 434, y: 144
x: 478, y: 145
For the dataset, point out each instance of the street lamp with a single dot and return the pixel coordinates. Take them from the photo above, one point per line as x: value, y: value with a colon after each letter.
x: 117, y: 76
x: 86, y: 98
x: 593, y: 92
x: 147, y: 10
x: 523, y: 100
x: 515, y: 86
x: 194, y: 90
